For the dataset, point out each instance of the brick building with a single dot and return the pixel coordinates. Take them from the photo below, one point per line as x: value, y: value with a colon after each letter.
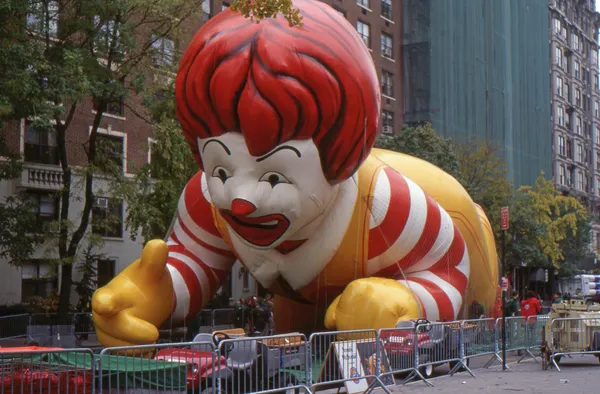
x: 375, y: 20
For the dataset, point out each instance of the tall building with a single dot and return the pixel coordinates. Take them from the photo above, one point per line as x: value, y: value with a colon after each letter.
x: 575, y: 101
x: 478, y: 69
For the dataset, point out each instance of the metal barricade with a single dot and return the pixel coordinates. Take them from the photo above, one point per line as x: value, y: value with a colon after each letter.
x: 31, y: 370
x: 437, y: 344
x: 171, y: 368
x: 535, y: 331
x: 83, y: 326
x: 13, y: 327
x: 397, y: 345
x: 263, y: 364
x: 222, y: 319
x: 569, y: 336
x: 479, y: 339
x: 516, y: 335
x: 346, y: 358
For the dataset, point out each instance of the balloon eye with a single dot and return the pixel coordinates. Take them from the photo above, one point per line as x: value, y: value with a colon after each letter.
x: 221, y: 173
x: 274, y: 178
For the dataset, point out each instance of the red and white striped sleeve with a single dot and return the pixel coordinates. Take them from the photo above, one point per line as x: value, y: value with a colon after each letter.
x: 413, y: 239
x: 199, y: 259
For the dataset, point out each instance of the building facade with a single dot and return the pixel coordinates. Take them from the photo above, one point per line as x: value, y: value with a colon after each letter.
x: 375, y: 20
x: 478, y: 69
x: 575, y: 94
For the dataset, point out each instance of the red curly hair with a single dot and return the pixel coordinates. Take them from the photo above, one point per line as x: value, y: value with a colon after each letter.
x: 275, y: 83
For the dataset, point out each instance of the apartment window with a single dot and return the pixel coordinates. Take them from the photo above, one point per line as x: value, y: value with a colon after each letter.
x: 561, y: 146
x: 387, y: 46
x: 594, y: 57
x: 559, y: 86
x: 163, y: 51
x: 579, y: 180
x: 598, y: 162
x: 206, y: 7
x: 558, y: 56
x: 596, y: 109
x: 597, y: 135
x: 40, y: 145
x: 43, y: 17
x: 107, y: 217
x: 569, y: 150
x: 365, y: 32
x: 568, y: 178
x: 567, y: 92
x: 568, y: 121
x: 45, y: 208
x: 578, y: 125
x: 363, y: 3
x: 563, y: 175
x: 587, y: 130
x: 105, y: 271
x: 578, y: 97
x: 107, y: 41
x: 557, y: 26
x: 577, y: 69
x: 561, y: 116
x: 596, y: 82
x: 387, y: 83
x: 386, y: 9
x: 38, y: 279
x: 575, y: 41
x: 109, y: 152
x: 387, y: 121
x: 579, y: 153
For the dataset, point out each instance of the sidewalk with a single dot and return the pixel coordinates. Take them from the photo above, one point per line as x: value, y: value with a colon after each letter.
x: 581, y: 374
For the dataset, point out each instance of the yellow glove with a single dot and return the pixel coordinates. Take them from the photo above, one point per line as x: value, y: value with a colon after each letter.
x: 128, y: 310
x: 372, y: 303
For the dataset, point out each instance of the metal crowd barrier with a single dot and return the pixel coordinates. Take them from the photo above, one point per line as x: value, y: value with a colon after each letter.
x: 534, y: 334
x: 69, y: 371
x: 481, y: 340
x: 14, y: 327
x: 263, y: 364
x: 516, y: 335
x: 570, y: 336
x: 398, y: 346
x: 161, y: 368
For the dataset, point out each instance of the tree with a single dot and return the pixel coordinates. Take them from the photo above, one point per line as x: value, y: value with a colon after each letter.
x: 482, y: 171
x: 263, y: 9
x: 547, y: 228
x: 423, y: 142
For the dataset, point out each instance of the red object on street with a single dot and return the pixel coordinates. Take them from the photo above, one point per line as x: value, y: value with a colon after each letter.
x: 504, y: 218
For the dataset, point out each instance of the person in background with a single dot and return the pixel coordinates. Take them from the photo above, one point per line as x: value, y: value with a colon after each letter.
x: 530, y: 307
x: 476, y: 310
x: 512, y: 306
x: 557, y: 298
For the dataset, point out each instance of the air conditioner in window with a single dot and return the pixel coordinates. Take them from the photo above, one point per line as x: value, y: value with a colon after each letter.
x: 101, y: 202
x: 388, y: 130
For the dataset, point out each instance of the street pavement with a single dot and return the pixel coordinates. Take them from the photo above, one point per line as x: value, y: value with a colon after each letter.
x: 579, y: 374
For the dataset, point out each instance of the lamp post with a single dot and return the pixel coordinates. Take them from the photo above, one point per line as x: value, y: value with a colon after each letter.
x: 503, y: 227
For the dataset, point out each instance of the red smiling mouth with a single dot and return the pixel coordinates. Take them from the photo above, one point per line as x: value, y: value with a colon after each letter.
x: 260, y: 231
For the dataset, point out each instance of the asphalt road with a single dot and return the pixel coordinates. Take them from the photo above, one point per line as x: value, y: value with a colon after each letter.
x: 579, y: 374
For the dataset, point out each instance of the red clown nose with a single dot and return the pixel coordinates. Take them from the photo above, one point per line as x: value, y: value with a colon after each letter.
x: 240, y: 207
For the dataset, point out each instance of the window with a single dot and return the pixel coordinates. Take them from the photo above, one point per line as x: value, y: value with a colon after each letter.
x: 109, y: 152
x: 596, y: 109
x: 224, y: 6
x: 386, y: 9
x: 561, y: 116
x: 563, y: 175
x: 557, y: 26
x: 597, y: 135
x: 578, y: 125
x: 559, y: 87
x: 163, y: 51
x: 206, y: 7
x: 558, y: 56
x: 567, y: 92
x: 569, y: 151
x: 363, y: 3
x: 40, y: 145
x: 577, y: 67
x: 107, y: 217
x: 387, y: 46
x: 387, y: 121
x: 578, y: 97
x: 387, y: 84
x: 579, y: 153
x: 105, y: 272
x: 594, y: 57
x: 365, y: 32
x: 43, y: 17
x: 579, y: 185
x: 107, y: 41
x: 342, y: 13
x: 44, y: 206
x: 38, y: 279
x: 568, y: 121
x: 596, y: 82
x: 561, y: 145
x: 575, y: 41
x: 598, y: 162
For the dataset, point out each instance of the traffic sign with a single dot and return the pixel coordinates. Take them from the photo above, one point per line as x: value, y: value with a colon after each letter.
x: 504, y: 218
x: 504, y: 284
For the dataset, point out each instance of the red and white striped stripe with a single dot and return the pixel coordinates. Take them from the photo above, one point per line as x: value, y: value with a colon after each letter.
x: 199, y: 258
x: 411, y: 237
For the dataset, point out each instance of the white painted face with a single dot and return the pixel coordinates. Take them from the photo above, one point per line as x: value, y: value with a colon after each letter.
x: 268, y: 199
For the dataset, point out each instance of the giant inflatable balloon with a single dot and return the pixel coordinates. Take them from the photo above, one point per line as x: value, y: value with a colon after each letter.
x: 282, y: 121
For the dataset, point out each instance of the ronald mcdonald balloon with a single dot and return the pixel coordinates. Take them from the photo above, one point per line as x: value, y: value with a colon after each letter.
x: 282, y: 122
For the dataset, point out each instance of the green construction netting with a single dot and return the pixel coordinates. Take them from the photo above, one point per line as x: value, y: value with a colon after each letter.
x: 126, y: 372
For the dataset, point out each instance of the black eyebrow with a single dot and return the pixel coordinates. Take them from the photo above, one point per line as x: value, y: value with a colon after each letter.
x: 277, y: 150
x: 218, y: 142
